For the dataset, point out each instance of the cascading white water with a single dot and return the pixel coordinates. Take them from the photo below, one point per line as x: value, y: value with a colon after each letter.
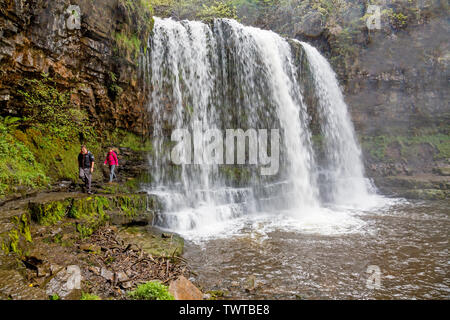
x: 271, y: 53
x: 229, y: 76
x: 183, y: 71
x: 346, y: 181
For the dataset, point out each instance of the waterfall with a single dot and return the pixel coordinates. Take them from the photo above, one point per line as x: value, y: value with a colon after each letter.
x: 229, y: 76
x: 345, y: 171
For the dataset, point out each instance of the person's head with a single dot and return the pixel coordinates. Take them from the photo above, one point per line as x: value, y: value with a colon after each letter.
x: 83, y: 149
x: 111, y: 149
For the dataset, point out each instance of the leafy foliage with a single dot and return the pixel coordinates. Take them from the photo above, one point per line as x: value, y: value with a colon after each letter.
x: 48, y: 106
x: 218, y: 10
x: 114, y: 88
x: 397, y: 19
x: 18, y: 165
x: 129, y: 44
x: 151, y: 291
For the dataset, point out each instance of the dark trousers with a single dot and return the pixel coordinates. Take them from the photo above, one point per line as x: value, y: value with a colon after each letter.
x: 86, y: 176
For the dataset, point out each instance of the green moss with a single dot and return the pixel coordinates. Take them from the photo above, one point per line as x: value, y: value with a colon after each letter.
x: 90, y: 212
x: 216, y: 294
x: 58, y: 156
x: 234, y: 174
x: 131, y: 205
x: 129, y: 44
x: 155, y: 244
x: 409, y: 145
x: 19, y: 167
x: 85, y: 208
x: 11, y: 244
x: 397, y: 19
x: 88, y: 296
x: 15, y: 239
x: 23, y: 226
x: 151, y: 291
x: 135, y: 142
x: 48, y: 213
x: 33, y: 157
x: 426, y: 194
x: 133, y: 35
x: 84, y: 230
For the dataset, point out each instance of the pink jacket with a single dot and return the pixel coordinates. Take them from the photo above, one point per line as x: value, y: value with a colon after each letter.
x: 111, y: 159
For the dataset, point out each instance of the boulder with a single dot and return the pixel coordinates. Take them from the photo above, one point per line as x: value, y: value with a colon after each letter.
x: 121, y: 276
x: 107, y: 274
x: 66, y: 283
x: 183, y: 289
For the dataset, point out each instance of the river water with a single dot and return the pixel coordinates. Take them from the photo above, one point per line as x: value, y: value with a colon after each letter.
x: 406, y: 241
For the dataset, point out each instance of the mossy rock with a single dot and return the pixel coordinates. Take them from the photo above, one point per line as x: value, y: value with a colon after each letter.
x: 48, y: 213
x: 155, y: 243
x: 82, y: 213
x: 17, y: 238
x: 235, y: 175
x: 216, y: 294
x: 130, y: 205
x: 85, y: 208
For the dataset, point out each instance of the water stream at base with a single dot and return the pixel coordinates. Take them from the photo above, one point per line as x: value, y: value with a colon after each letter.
x: 406, y: 241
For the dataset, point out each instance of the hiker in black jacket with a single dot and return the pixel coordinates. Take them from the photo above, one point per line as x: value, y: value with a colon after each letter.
x: 86, y: 167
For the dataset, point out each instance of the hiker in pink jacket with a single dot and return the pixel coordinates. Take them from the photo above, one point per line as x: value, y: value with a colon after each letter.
x: 112, y: 161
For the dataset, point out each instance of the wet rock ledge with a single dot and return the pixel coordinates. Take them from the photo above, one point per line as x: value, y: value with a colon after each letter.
x: 423, y: 186
x: 106, y: 238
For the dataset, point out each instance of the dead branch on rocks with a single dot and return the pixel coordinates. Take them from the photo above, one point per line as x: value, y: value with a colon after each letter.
x: 122, y: 266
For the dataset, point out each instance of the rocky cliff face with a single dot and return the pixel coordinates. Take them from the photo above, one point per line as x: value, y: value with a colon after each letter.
x: 88, y: 47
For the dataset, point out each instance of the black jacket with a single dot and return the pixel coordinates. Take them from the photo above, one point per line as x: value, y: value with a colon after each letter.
x: 85, y: 160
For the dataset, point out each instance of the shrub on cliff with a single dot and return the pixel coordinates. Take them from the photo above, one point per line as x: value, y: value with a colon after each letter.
x: 18, y: 166
x: 46, y: 105
x: 133, y: 34
x: 217, y: 10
